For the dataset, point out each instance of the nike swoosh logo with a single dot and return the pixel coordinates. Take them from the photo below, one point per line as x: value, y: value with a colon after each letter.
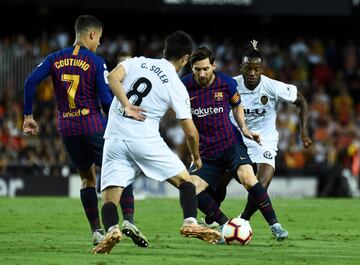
x: 192, y: 98
x: 242, y: 158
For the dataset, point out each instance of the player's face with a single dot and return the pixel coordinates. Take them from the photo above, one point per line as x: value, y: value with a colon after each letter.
x: 252, y: 70
x: 204, y: 72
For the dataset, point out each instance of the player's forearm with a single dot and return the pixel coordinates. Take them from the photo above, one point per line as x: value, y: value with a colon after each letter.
x: 192, y: 137
x: 118, y: 90
x: 304, y: 128
x: 240, y: 117
x: 193, y: 145
x: 29, y: 92
x: 303, y: 115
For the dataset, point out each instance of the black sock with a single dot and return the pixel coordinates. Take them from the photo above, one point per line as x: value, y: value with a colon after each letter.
x: 188, y: 200
x: 250, y: 208
x: 218, y: 196
x: 263, y: 203
x: 89, y: 201
x: 127, y: 204
x: 209, y: 219
x: 110, y: 216
x: 209, y: 207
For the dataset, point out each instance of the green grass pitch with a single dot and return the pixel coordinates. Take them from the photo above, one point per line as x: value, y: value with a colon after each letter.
x: 54, y: 231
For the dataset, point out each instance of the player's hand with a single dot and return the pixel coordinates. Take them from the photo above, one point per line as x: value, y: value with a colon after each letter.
x: 307, y: 142
x: 135, y: 112
x: 30, y: 126
x: 197, y: 163
x: 256, y: 137
x: 251, y: 135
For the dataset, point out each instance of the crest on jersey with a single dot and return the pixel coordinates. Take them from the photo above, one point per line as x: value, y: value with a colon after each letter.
x: 267, y: 155
x: 264, y: 100
x: 218, y: 96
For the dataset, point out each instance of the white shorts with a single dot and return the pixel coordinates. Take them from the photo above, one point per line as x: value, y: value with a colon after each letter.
x: 124, y: 160
x: 264, y: 153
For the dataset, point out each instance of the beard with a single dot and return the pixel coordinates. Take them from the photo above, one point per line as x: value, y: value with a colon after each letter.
x: 203, y: 81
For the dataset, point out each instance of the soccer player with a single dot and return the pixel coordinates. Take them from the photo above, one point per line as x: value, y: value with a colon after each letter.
x: 133, y: 147
x: 78, y: 75
x: 261, y: 97
x: 213, y: 95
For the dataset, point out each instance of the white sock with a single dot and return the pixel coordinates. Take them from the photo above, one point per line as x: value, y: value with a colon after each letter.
x: 112, y: 228
x: 190, y: 220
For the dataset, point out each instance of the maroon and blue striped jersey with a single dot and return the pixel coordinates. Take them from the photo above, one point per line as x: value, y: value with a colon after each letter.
x: 80, y: 86
x: 210, y: 108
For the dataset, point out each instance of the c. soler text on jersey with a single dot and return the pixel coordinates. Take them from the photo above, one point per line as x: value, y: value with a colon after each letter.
x: 157, y: 70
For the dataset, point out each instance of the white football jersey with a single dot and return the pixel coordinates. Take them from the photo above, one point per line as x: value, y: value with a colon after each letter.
x: 154, y: 85
x: 260, y: 106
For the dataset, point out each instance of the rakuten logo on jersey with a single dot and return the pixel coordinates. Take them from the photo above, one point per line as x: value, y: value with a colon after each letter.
x: 200, y: 112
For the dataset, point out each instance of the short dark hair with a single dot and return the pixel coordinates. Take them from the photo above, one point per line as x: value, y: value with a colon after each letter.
x: 201, y: 54
x: 178, y: 44
x: 86, y: 22
x: 252, y: 51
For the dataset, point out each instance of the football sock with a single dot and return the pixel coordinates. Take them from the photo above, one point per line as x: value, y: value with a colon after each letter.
x: 209, y: 207
x: 127, y: 204
x: 89, y: 201
x: 110, y: 216
x: 218, y: 195
x: 212, y: 193
x: 188, y: 200
x: 209, y: 219
x: 250, y: 208
x: 263, y: 203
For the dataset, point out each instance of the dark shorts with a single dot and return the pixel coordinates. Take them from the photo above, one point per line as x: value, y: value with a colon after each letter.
x: 230, y: 159
x: 84, y: 150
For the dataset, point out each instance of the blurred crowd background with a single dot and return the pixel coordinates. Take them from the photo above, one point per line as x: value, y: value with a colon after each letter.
x: 324, y: 68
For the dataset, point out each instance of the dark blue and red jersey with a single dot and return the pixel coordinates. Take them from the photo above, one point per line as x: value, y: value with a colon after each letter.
x: 210, y: 108
x: 79, y: 78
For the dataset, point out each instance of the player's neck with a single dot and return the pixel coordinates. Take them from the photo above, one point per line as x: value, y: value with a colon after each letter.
x: 252, y: 86
x: 177, y: 64
x: 80, y: 42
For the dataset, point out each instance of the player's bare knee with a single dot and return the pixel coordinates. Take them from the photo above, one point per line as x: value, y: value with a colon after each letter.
x: 265, y: 181
x: 87, y: 183
x: 87, y: 179
x: 246, y: 176
x: 112, y: 194
x: 180, y: 179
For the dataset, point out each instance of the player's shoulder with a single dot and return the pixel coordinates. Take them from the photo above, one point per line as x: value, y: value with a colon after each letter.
x: 238, y: 77
x: 144, y: 62
x: 186, y: 78
x: 85, y: 53
x: 268, y: 80
x: 59, y: 53
x: 270, y: 84
x: 226, y: 79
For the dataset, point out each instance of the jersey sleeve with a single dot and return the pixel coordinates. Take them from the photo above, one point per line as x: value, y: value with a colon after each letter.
x: 102, y: 85
x: 285, y: 92
x: 179, y: 100
x: 33, y: 80
x: 234, y: 98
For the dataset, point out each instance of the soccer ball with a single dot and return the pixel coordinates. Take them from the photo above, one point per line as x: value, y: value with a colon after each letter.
x: 237, y: 231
